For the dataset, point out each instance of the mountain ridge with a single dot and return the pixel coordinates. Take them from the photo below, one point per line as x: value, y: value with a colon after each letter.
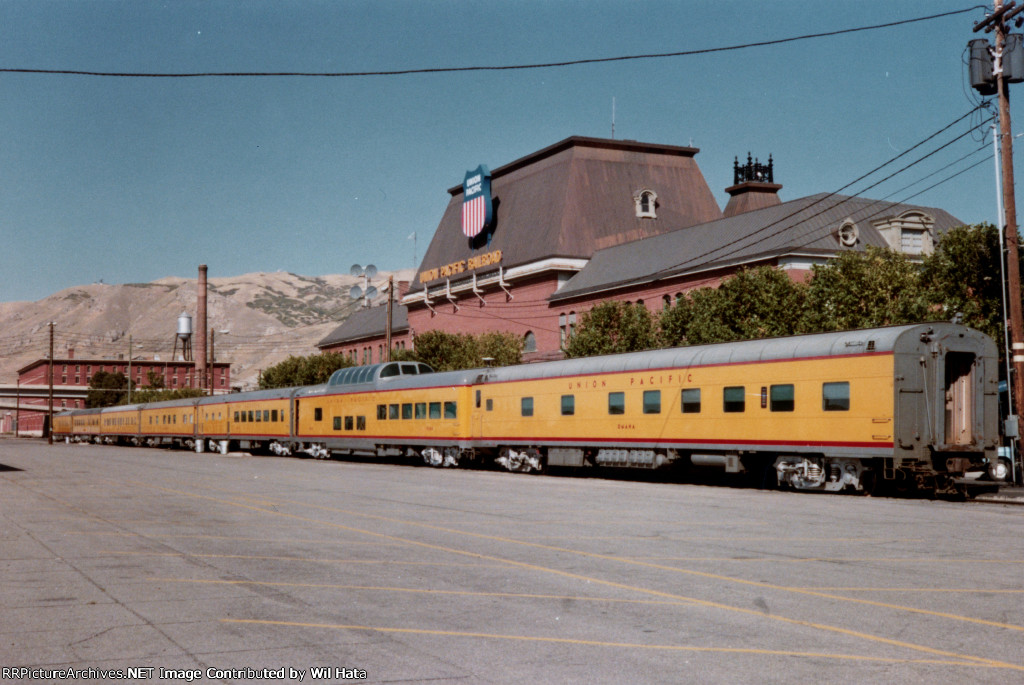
x: 258, y: 319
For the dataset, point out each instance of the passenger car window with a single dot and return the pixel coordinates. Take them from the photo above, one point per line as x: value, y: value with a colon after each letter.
x: 652, y: 401
x: 734, y: 399
x: 835, y: 396
x: 691, y: 401
x: 527, y: 406
x: 781, y: 398
x: 449, y: 410
x: 568, y: 405
x: 616, y: 403
x: 435, y: 410
x: 421, y: 410
x: 407, y: 410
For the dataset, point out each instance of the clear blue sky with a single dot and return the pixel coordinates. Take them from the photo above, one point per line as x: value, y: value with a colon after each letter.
x: 131, y: 180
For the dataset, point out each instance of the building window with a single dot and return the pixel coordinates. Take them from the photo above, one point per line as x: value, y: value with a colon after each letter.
x: 848, y: 233
x: 912, y: 241
x: 646, y: 202
x: 529, y: 342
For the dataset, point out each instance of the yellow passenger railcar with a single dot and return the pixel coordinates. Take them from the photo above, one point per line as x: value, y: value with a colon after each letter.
x: 829, y: 411
x: 174, y: 420
x: 394, y: 408
x: 121, y: 423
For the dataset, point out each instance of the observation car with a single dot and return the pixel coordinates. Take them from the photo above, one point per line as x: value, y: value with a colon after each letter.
x: 914, y: 406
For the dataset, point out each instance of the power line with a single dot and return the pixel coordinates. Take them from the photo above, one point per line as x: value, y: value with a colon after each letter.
x: 723, y: 251
x: 447, y: 70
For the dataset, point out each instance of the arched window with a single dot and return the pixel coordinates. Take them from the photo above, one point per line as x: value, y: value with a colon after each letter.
x: 529, y: 342
x: 646, y: 202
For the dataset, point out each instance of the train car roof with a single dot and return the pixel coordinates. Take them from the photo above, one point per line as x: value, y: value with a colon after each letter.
x: 383, y: 377
x: 271, y: 394
x: 873, y: 340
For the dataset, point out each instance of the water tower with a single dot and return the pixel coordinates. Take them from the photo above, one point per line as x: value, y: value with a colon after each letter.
x: 185, y: 336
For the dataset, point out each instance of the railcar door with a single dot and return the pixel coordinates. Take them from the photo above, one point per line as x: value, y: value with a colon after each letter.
x: 960, y: 398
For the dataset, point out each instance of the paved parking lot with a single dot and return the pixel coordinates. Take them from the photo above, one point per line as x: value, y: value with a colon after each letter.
x: 205, y: 567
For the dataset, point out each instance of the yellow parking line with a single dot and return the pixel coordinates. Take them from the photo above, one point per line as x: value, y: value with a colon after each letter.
x: 839, y: 560
x: 427, y: 591
x: 951, y: 590
x: 276, y: 558
x: 174, y: 536
x: 621, y: 645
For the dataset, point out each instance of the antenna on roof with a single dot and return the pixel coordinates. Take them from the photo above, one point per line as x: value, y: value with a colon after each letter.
x: 613, y: 117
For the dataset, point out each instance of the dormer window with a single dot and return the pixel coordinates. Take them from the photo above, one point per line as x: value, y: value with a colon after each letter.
x: 848, y: 233
x: 646, y: 204
x: 912, y: 233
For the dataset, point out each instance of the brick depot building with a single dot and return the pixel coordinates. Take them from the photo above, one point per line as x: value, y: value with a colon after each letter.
x: 588, y: 220
x: 27, y: 403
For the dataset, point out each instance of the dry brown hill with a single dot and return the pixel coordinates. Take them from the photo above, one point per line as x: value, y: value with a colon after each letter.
x: 259, y: 319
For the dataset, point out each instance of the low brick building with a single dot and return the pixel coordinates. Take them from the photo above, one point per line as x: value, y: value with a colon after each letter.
x: 27, y: 402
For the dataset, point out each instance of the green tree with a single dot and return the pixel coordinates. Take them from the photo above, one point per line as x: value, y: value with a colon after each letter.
x: 963, y: 275
x: 878, y: 287
x: 147, y: 395
x: 611, y: 327
x: 451, y: 351
x: 310, y: 370
x: 107, y: 389
x: 755, y: 303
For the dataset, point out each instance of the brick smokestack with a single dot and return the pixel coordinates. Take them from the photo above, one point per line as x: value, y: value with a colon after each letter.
x: 201, y: 333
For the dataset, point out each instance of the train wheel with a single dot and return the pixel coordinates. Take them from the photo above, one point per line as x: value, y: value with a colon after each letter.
x: 869, y: 483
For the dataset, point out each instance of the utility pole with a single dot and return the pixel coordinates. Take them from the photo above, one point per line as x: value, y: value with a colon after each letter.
x: 998, y: 22
x: 49, y: 413
x: 129, y: 369
x: 387, y: 332
x: 209, y: 366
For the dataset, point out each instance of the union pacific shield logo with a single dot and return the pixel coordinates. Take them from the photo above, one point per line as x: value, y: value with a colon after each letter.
x: 476, y: 201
